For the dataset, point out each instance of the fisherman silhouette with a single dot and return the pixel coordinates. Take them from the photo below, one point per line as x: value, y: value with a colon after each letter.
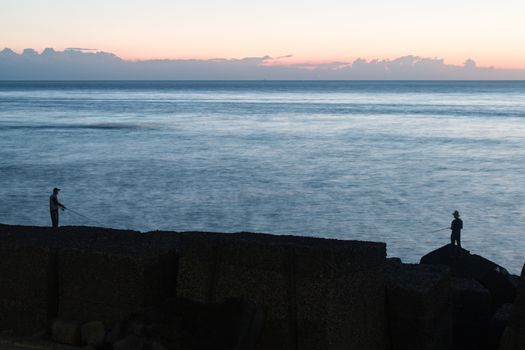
x: 54, y: 204
x: 456, y: 225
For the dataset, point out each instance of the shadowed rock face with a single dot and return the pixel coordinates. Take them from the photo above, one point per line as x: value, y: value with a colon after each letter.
x: 418, y: 306
x: 462, y: 264
x: 471, y: 312
x: 514, y: 335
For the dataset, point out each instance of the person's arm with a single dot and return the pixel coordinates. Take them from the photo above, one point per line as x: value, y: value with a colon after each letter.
x: 55, y: 200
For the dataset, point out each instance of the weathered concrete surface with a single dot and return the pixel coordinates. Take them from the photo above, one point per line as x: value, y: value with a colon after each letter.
x: 108, y: 286
x: 27, y: 287
x: 514, y: 334
x: 418, y: 306
x: 471, y: 312
x: 80, y: 273
x: 317, y: 293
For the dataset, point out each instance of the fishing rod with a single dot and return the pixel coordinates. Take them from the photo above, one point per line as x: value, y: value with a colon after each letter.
x: 93, y: 220
x: 84, y: 216
x: 440, y: 229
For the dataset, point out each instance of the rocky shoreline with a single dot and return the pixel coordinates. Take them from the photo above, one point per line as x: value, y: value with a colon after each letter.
x: 115, y: 289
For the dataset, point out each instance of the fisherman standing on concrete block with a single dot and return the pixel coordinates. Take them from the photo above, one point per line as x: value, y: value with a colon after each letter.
x: 54, y: 204
x: 456, y: 225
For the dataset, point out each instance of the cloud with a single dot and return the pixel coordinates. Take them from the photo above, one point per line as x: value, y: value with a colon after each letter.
x: 80, y: 49
x: 94, y: 65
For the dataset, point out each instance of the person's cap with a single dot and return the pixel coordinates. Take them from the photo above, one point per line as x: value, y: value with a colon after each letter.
x: 56, y: 189
x: 455, y: 213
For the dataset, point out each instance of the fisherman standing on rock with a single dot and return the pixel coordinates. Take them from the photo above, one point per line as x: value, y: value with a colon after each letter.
x: 54, y: 204
x: 456, y: 225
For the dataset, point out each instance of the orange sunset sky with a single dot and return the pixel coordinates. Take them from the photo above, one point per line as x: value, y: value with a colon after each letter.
x: 490, y: 32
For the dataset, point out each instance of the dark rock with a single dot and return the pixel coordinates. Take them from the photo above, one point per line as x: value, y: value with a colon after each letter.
x: 463, y: 264
x: 418, y: 306
x: 66, y: 332
x: 93, y: 333
x: 471, y: 311
x: 394, y: 260
x: 514, y: 280
x: 497, y: 325
x: 514, y: 335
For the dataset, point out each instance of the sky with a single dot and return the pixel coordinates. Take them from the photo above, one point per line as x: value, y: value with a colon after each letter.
x: 490, y: 32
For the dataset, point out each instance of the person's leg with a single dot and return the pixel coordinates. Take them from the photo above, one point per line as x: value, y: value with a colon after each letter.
x: 452, y: 238
x: 458, y: 238
x: 54, y: 218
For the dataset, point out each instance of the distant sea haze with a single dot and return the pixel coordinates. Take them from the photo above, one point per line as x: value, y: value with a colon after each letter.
x: 378, y: 161
x: 89, y: 64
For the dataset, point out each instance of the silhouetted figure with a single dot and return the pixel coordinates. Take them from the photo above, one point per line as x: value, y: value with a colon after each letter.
x: 456, y: 225
x: 54, y: 205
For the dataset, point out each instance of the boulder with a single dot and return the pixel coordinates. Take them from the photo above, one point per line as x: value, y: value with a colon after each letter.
x: 497, y: 325
x: 394, y: 260
x: 471, y: 311
x: 418, y: 306
x: 92, y: 333
x: 66, y: 332
x: 462, y: 264
x: 514, y: 335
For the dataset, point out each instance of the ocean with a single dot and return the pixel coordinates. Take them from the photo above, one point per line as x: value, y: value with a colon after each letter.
x: 367, y: 160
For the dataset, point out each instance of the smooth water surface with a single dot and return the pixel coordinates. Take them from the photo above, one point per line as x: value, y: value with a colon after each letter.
x: 379, y: 161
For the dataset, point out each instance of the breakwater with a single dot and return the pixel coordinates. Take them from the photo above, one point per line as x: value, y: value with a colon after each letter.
x: 304, y: 293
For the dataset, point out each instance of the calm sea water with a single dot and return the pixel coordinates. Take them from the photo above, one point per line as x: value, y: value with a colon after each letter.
x: 379, y: 161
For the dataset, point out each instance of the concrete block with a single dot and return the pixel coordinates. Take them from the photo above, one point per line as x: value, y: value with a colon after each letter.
x: 471, y: 311
x: 23, y: 317
x: 340, y: 301
x: 28, y: 288
x: 418, y: 306
x: 514, y: 335
x: 197, y: 262
x: 106, y: 286
x: 260, y: 273
x: 312, y: 290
